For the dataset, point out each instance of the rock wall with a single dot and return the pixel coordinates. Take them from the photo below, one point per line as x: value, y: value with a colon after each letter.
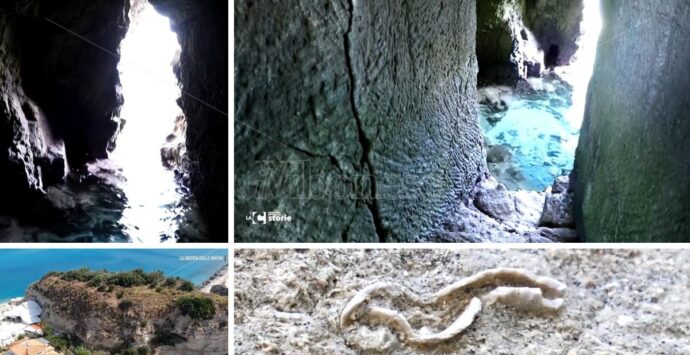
x: 202, y: 30
x: 506, y: 49
x: 520, y: 38
x: 556, y: 25
x: 68, y: 54
x: 59, y: 93
x: 632, y: 163
x: 358, y: 119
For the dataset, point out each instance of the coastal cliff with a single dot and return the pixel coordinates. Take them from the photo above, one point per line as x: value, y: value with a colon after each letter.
x: 132, y: 310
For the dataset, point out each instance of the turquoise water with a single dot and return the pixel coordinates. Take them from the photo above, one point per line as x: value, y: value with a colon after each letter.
x: 540, y: 128
x: 21, y: 267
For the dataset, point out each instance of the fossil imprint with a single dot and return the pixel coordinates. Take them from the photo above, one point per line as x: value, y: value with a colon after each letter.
x: 536, y: 294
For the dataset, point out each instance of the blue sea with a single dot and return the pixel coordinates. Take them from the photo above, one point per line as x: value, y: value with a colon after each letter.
x: 21, y: 267
x: 541, y: 129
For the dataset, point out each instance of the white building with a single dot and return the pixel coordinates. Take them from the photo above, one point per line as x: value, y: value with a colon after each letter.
x: 28, y: 312
x: 17, y: 320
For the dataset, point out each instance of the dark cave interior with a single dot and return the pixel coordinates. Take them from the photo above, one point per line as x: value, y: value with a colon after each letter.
x: 363, y: 121
x: 60, y: 116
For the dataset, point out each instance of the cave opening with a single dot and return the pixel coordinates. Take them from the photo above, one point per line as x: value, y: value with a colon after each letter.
x: 150, y: 146
x: 532, y: 124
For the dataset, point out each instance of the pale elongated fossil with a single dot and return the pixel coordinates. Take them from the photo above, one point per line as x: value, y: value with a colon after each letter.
x: 527, y: 292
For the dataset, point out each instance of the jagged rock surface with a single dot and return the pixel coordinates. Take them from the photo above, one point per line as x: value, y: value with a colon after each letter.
x: 556, y: 25
x: 59, y: 94
x: 506, y: 49
x: 356, y: 118
x: 517, y: 39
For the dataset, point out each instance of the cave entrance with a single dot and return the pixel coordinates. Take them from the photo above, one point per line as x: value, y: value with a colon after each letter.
x: 151, y: 119
x: 532, y: 129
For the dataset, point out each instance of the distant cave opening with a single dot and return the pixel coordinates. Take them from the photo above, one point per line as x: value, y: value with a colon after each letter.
x: 532, y: 122
x: 551, y: 56
x: 149, y: 148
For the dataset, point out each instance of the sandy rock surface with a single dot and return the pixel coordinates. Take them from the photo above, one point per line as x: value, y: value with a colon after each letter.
x: 616, y: 302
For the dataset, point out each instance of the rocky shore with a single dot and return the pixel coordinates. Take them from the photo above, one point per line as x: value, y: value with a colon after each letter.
x: 499, y: 215
x: 217, y: 282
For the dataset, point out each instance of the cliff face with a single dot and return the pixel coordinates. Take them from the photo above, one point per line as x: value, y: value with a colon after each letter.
x: 153, y: 320
x: 519, y: 38
x: 59, y: 93
x: 356, y: 118
x: 202, y: 30
x: 632, y: 163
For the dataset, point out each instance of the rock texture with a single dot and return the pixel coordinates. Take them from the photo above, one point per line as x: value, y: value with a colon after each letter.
x: 202, y: 29
x: 506, y: 49
x: 98, y: 320
x: 59, y: 93
x: 556, y: 25
x: 517, y: 39
x: 68, y: 54
x: 356, y: 118
x: 617, y: 302
x: 632, y: 165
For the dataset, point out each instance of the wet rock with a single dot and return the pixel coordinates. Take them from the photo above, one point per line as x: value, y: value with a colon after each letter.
x: 496, y: 98
x: 557, y: 211
x: 565, y: 235
x: 60, y: 199
x: 498, y: 154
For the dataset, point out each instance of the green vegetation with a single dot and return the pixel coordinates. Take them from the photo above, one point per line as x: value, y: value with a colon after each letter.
x: 105, y: 281
x: 59, y: 342
x: 162, y: 338
x: 197, y: 307
x: 125, y: 305
x: 187, y: 286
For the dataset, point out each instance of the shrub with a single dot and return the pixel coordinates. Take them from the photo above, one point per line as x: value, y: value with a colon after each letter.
x: 162, y: 338
x: 133, y: 278
x: 58, y: 342
x: 170, y: 282
x: 107, y: 281
x: 197, y: 307
x: 80, y: 350
x: 125, y: 305
x: 187, y: 286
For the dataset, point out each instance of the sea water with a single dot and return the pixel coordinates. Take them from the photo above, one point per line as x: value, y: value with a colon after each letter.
x: 540, y: 128
x: 21, y: 267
